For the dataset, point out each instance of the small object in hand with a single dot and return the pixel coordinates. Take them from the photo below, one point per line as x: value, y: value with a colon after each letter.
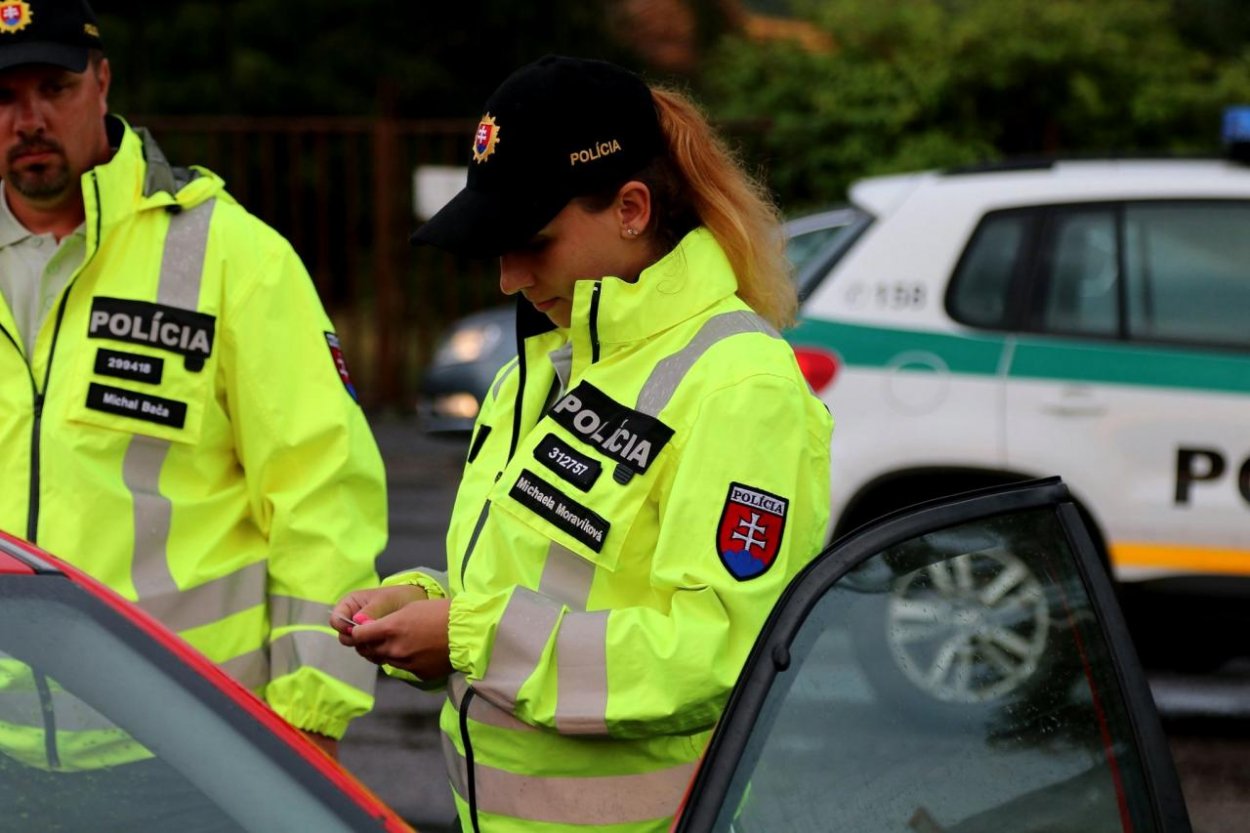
x: 361, y: 619
x: 345, y: 620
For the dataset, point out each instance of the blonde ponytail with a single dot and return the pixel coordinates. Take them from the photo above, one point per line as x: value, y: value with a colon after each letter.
x: 735, y: 207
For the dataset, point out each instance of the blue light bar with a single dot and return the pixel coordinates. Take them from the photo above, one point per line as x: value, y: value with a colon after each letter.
x: 1236, y: 124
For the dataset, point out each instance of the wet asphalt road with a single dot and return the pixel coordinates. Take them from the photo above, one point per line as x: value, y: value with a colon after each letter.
x: 395, y: 749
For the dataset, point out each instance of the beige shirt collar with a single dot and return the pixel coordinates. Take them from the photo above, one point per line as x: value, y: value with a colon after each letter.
x: 11, y: 229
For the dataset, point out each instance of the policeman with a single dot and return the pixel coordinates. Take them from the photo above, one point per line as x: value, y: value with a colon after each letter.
x: 175, y: 414
x: 644, y: 479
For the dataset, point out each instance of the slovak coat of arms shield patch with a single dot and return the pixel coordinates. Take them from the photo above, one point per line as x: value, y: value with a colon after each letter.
x: 751, y: 526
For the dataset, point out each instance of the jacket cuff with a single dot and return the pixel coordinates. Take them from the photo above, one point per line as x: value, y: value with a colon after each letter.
x: 415, y: 578
x: 308, y: 721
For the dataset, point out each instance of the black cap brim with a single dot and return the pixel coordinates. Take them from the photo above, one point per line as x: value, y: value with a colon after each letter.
x: 73, y: 58
x: 481, y: 224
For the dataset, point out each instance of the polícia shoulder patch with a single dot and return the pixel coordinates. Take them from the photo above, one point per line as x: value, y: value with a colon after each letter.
x: 340, y: 364
x: 752, y: 524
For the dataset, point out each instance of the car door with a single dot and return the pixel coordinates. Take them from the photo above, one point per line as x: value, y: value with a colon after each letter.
x: 1132, y: 381
x: 1015, y: 701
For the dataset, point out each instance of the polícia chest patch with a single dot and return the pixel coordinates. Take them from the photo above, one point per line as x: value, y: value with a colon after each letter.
x: 625, y: 435
x: 185, y: 332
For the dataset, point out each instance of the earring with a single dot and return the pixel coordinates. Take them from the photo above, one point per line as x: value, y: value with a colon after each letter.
x: 632, y: 232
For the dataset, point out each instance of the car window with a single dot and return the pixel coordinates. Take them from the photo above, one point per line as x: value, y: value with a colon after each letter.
x: 954, y: 680
x: 1188, y: 271
x: 816, y: 243
x: 982, y: 283
x: 1082, y: 279
x: 801, y: 247
x: 102, y: 729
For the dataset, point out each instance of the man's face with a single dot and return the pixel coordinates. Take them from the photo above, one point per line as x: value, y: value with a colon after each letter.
x: 51, y: 129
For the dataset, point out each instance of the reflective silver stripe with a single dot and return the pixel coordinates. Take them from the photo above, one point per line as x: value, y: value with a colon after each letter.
x: 589, y: 800
x: 250, y: 669
x: 669, y: 371
x: 212, y: 601
x: 494, y: 391
x: 314, y: 649
x: 437, y: 575
x: 523, y: 633
x: 581, y: 659
x: 457, y: 767
x: 72, y: 715
x: 141, y: 472
x: 182, y: 266
x: 285, y: 611
x: 566, y: 577
x: 582, y: 663
x: 482, y: 710
x: 182, y: 262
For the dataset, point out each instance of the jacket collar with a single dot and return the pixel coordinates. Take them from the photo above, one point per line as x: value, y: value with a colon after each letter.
x: 692, y: 277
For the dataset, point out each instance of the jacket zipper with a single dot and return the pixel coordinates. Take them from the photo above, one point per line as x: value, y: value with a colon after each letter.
x: 32, y: 510
x: 33, y: 507
x: 471, y: 785
x: 594, y: 323
x: 36, y: 467
x: 36, y: 398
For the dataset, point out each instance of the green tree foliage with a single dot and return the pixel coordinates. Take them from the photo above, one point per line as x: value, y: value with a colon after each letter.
x: 913, y: 84
x: 335, y: 57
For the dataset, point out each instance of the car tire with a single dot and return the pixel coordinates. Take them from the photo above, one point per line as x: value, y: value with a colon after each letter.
x: 961, y: 641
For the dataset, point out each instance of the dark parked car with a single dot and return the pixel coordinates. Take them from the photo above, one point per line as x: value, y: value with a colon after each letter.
x: 465, y: 362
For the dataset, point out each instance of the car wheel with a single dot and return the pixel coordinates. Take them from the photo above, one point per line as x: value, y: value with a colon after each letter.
x: 961, y: 638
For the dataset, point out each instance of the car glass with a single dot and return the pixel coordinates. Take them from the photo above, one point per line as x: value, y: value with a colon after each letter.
x: 1082, y: 281
x: 802, y: 246
x: 97, y: 733
x: 1188, y: 272
x: 955, y: 683
x: 814, y: 249
x: 981, y: 286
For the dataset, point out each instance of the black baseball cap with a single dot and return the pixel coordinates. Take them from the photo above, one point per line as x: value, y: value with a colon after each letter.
x: 57, y: 32
x: 556, y: 129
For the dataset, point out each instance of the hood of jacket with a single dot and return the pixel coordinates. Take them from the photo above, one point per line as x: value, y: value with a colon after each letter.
x: 139, y: 178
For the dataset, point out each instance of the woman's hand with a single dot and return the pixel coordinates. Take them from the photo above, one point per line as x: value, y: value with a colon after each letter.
x: 364, y: 606
x: 413, y: 638
x: 398, y: 626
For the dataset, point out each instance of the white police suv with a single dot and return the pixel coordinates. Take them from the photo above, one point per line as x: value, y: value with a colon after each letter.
x: 1088, y: 319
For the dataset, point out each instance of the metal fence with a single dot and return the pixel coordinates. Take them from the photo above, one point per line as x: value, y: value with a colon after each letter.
x: 341, y: 190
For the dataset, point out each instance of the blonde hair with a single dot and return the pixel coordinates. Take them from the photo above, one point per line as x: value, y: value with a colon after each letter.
x: 732, y: 204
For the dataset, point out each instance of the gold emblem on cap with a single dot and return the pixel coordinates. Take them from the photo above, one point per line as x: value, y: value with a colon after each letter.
x: 90, y: 29
x: 14, y: 16
x: 485, y: 139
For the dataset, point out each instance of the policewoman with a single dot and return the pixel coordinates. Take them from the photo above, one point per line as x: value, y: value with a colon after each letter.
x: 175, y: 418
x: 644, y: 479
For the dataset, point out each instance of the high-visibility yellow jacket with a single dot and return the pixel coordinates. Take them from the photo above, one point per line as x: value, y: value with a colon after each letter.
x: 612, y: 557
x: 187, y: 433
